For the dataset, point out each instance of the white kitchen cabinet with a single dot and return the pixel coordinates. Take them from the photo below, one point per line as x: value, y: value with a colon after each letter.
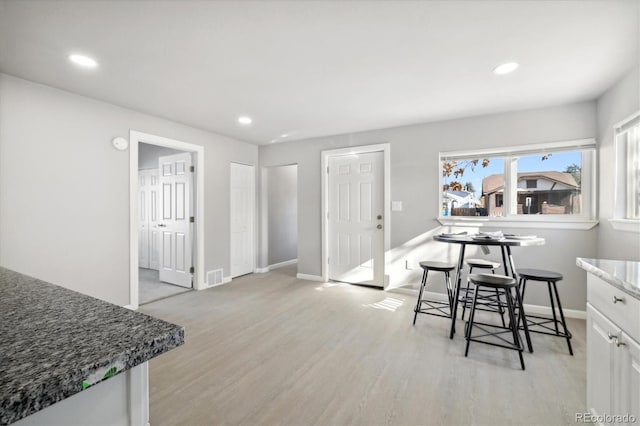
x: 601, y: 353
x: 613, y: 354
x: 630, y: 376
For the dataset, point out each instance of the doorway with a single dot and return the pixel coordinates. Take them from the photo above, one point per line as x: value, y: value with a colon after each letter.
x: 165, y: 234
x: 166, y: 238
x: 280, y: 207
x: 355, y: 222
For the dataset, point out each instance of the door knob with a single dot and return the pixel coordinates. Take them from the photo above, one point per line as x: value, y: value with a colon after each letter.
x: 379, y: 226
x: 162, y: 225
x: 379, y: 216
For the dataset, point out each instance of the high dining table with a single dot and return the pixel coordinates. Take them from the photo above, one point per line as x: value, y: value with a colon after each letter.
x: 505, y: 245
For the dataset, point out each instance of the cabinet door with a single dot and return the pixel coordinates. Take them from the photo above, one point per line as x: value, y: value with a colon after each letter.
x: 629, y: 390
x: 600, y: 362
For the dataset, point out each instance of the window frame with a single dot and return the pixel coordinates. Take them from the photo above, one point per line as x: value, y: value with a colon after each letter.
x: 622, y: 190
x: 585, y: 220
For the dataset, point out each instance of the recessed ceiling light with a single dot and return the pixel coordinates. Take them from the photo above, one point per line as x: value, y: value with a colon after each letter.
x: 84, y: 61
x: 245, y: 120
x: 284, y: 135
x: 505, y: 68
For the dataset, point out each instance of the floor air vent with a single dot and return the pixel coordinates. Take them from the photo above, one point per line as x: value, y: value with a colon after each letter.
x: 214, y: 277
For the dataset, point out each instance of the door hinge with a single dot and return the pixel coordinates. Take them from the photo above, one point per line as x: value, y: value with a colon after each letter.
x: 192, y: 169
x: 327, y: 169
x: 192, y: 270
x: 192, y: 219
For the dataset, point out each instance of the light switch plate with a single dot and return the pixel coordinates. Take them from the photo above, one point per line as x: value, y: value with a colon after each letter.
x: 396, y: 206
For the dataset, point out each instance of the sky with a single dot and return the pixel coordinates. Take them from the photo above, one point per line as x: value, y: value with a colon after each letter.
x: 558, y: 161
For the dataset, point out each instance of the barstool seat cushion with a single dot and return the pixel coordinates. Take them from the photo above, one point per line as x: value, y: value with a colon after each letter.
x: 539, y: 275
x: 492, y: 280
x: 437, y: 266
x: 482, y: 263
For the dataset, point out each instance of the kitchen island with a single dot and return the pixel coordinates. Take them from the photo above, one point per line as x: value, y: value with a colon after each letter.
x: 613, y: 340
x: 67, y: 358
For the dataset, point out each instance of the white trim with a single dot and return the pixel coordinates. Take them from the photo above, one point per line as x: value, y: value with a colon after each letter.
x: 546, y: 310
x: 619, y: 125
x: 578, y: 144
x: 385, y: 148
x: 282, y: 264
x: 310, y: 277
x: 533, y: 309
x: 627, y: 225
x: 276, y: 266
x: 517, y: 222
x: 129, y: 307
x: 135, y: 138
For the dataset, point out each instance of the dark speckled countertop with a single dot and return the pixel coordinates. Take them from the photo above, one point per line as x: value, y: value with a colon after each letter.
x: 54, y: 342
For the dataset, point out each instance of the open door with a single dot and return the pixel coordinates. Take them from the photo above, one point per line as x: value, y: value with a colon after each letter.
x: 174, y: 223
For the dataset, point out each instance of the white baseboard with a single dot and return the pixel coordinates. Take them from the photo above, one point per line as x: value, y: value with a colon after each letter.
x: 310, y: 277
x: 546, y: 310
x: 282, y: 264
x: 130, y: 307
x: 275, y: 266
x: 528, y: 309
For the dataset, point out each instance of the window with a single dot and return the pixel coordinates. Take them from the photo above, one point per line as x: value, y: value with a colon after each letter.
x: 464, y: 186
x: 553, y: 183
x: 627, y: 200
x: 546, y: 182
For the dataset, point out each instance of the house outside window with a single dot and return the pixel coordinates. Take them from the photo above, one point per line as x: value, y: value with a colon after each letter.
x: 550, y: 181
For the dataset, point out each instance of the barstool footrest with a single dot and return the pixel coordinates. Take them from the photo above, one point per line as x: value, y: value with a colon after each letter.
x: 543, y: 324
x: 495, y: 334
x: 435, y: 305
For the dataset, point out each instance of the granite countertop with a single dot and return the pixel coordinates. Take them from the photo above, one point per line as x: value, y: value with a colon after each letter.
x: 622, y: 274
x: 56, y: 342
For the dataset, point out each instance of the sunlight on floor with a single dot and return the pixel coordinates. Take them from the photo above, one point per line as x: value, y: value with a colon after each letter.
x: 389, y: 304
x: 331, y: 284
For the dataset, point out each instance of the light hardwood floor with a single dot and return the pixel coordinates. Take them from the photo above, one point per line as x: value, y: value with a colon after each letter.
x: 272, y: 349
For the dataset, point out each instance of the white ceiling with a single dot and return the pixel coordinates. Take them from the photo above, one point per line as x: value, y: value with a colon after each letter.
x: 315, y: 68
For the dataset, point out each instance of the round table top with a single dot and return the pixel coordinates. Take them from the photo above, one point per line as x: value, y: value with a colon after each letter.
x: 506, y: 241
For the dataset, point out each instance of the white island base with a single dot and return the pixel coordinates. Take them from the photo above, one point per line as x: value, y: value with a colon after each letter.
x: 117, y: 401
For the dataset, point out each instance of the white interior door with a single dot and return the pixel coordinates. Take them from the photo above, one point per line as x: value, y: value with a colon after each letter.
x: 355, y: 223
x: 143, y: 219
x: 174, y: 225
x: 242, y: 219
x: 154, y: 213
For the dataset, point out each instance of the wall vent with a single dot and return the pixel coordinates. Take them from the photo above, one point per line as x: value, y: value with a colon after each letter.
x: 214, y: 277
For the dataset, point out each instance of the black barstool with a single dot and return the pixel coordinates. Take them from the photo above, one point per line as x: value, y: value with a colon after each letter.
x: 490, y: 302
x: 551, y: 278
x: 507, y: 285
x: 435, y: 307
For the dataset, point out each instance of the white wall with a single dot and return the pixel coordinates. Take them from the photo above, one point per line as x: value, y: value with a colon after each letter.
x: 282, y: 211
x: 148, y: 155
x: 64, y: 190
x: 616, y: 104
x: 414, y: 181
